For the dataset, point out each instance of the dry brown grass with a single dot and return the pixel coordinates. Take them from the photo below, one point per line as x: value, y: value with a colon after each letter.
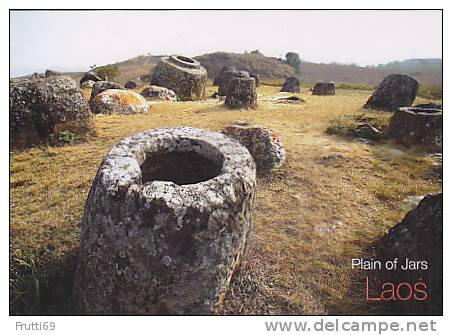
x: 327, y: 204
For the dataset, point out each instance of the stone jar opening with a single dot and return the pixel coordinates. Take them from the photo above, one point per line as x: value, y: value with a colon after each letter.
x: 182, y: 167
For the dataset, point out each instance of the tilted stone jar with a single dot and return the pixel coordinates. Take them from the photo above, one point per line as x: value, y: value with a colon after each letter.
x: 165, y: 224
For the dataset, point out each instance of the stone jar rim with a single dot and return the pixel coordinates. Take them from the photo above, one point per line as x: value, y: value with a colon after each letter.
x: 421, y: 110
x: 121, y: 168
x: 185, y: 62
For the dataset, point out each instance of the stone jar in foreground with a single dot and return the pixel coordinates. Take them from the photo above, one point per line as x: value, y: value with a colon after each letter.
x: 396, y: 90
x: 241, y: 93
x: 165, y: 224
x: 267, y: 151
x: 183, y: 75
x: 416, y: 125
x: 324, y: 88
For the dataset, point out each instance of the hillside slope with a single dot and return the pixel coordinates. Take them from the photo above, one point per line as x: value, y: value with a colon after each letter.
x: 268, y: 68
x: 428, y: 75
x: 427, y: 71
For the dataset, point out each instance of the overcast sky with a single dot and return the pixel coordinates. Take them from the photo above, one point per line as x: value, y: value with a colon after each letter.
x: 73, y: 40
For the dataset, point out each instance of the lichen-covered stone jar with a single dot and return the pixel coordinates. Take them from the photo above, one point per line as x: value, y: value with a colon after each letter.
x: 165, y: 224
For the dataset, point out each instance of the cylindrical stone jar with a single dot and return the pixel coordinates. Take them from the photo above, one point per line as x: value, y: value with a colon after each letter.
x: 165, y: 224
x: 184, y: 75
x: 416, y: 125
x: 241, y: 93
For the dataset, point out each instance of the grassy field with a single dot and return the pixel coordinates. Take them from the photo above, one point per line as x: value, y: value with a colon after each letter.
x: 329, y: 202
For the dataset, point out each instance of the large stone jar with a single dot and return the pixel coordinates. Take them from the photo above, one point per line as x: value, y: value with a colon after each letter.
x: 185, y: 76
x: 416, y: 125
x: 396, y: 90
x: 165, y: 224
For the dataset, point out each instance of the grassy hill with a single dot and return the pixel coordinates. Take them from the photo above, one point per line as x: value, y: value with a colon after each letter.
x: 268, y: 68
x: 427, y: 71
x: 274, y: 70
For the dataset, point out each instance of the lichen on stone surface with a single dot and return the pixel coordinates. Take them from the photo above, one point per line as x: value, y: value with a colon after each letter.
x: 116, y: 101
x: 265, y: 148
x: 161, y: 241
x: 183, y: 75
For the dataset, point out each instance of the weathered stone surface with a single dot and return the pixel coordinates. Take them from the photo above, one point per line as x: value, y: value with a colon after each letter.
x: 102, y: 86
x: 396, y: 90
x: 87, y: 84
x: 114, y: 101
x: 257, y: 79
x: 38, y: 106
x: 324, y: 88
x: 418, y: 237
x: 131, y: 84
x: 226, y: 78
x: 219, y: 78
x: 267, y: 151
x: 154, y: 92
x: 90, y: 76
x: 183, y: 75
x: 165, y: 224
x: 52, y: 73
x: 416, y: 125
x: 241, y: 92
x: 292, y: 84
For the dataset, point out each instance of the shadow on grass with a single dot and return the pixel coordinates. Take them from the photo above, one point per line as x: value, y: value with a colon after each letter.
x: 43, y: 288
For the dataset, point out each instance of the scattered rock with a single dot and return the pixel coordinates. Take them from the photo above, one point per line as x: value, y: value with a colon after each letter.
x: 241, y: 92
x: 183, y: 75
x: 52, y: 73
x: 418, y: 237
x: 416, y: 125
x: 131, y: 84
x: 292, y: 84
x: 291, y: 100
x: 268, y: 152
x: 102, y: 86
x: 115, y: 101
x: 395, y: 91
x: 39, y: 106
x: 154, y: 92
x: 324, y: 88
x: 165, y: 223
x: 87, y: 84
x: 90, y: 76
x: 366, y: 131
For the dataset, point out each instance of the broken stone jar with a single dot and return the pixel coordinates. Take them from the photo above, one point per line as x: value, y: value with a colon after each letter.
x: 165, y: 224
